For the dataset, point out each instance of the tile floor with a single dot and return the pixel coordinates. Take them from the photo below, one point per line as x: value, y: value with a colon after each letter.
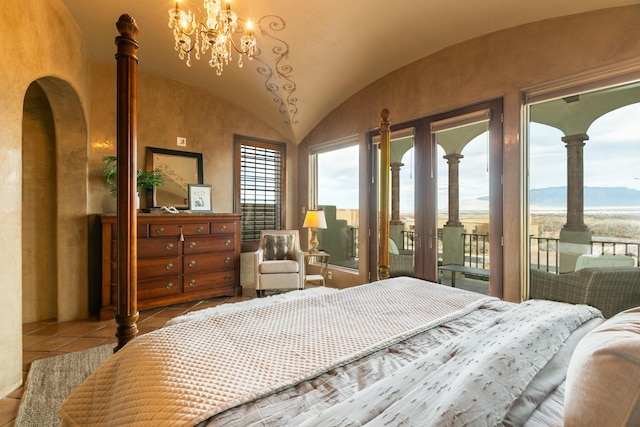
x: 50, y: 338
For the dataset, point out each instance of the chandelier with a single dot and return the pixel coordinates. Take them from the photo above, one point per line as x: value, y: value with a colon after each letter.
x: 215, y: 33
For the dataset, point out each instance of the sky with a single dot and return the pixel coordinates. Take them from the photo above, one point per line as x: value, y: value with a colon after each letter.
x: 611, y: 159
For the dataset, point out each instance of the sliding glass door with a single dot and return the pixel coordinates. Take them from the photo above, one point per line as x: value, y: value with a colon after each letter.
x: 449, y: 166
x: 584, y: 185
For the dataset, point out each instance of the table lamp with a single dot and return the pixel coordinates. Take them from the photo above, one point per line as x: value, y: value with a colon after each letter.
x: 314, y: 220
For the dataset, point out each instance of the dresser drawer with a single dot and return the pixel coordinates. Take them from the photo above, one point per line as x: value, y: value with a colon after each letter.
x: 195, y: 245
x: 154, y: 248
x: 222, y: 280
x: 223, y: 228
x: 164, y: 230
x: 213, y: 261
x: 157, y: 288
x: 159, y: 267
x: 195, y: 229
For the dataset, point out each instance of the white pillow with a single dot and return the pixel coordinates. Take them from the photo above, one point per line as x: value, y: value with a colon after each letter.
x: 603, y: 378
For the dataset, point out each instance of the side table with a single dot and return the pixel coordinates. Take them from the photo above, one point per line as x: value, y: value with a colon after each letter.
x: 320, y: 259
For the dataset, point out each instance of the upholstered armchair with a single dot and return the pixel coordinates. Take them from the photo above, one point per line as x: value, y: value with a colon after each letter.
x: 400, y: 261
x: 279, y: 261
x: 610, y: 289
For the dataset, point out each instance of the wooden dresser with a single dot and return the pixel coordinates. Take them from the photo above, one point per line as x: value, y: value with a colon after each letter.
x: 183, y: 257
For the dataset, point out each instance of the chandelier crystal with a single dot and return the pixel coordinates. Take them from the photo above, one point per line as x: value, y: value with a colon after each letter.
x: 215, y: 33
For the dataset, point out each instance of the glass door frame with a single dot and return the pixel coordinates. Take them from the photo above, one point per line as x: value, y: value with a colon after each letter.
x: 426, y: 257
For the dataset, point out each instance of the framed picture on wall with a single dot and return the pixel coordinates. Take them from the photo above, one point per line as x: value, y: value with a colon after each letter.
x: 200, y: 198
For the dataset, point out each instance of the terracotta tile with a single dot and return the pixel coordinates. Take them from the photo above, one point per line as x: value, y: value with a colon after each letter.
x: 28, y: 328
x: 154, y: 321
x: 82, y: 344
x: 28, y: 340
x: 51, y: 344
x: 51, y: 330
x: 208, y: 304
x: 104, y: 332
x: 79, y: 329
x: 17, y: 393
x: 171, y: 312
x: 8, y: 410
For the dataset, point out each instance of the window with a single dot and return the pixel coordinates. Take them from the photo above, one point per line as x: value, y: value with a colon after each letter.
x: 259, y: 187
x: 335, y: 183
x: 584, y: 192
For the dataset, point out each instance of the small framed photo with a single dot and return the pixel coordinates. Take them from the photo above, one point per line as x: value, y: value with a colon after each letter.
x: 200, y: 198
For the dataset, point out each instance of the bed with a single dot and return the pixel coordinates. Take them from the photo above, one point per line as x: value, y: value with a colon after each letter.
x: 399, y: 351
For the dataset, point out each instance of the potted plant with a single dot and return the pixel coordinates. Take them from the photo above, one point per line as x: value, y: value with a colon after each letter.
x: 149, y: 179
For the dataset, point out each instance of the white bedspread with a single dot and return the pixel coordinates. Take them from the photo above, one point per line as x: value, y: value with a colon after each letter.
x: 183, y: 374
x: 475, y: 379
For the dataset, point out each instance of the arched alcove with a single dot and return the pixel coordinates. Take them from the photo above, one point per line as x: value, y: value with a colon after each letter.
x: 54, y: 217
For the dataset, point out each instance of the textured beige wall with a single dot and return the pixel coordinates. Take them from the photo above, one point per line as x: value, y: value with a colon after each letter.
x: 39, y: 263
x: 168, y: 109
x: 496, y: 65
x: 40, y: 41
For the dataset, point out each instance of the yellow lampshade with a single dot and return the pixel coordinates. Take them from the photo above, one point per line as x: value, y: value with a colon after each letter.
x: 315, y: 219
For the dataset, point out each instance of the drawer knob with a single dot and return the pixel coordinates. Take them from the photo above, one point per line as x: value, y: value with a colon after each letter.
x: 223, y: 227
x: 192, y: 263
x: 192, y: 282
x: 227, y: 277
x: 227, y: 243
x: 169, y: 246
x: 169, y: 286
x: 169, y: 266
x: 227, y: 260
x: 192, y: 245
x: 200, y: 229
x: 160, y: 230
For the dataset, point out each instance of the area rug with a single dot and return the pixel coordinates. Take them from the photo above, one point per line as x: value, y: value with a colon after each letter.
x: 51, y: 380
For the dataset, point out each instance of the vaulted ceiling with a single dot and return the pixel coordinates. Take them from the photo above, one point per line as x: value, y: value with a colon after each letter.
x: 313, y: 54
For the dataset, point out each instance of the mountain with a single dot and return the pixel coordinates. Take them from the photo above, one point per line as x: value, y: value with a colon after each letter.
x: 593, y: 197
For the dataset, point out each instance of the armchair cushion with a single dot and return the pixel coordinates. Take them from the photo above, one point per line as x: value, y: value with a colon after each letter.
x: 277, y: 266
x: 278, y: 247
x: 588, y: 261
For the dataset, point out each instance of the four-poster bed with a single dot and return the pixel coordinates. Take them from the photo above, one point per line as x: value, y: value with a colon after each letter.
x: 394, y: 351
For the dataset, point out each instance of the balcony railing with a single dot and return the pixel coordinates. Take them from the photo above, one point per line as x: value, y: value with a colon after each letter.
x: 545, y: 251
x: 608, y: 246
x: 408, y: 240
x: 476, y: 250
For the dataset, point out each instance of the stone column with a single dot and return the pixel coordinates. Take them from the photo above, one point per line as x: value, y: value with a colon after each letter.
x: 453, y: 160
x: 575, y: 236
x: 395, y: 193
x: 575, y: 182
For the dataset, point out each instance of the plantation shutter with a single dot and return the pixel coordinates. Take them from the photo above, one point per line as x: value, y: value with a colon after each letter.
x: 261, y: 188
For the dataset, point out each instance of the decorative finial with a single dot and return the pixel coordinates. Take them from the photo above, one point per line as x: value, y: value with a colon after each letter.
x: 384, y: 114
x: 127, y: 26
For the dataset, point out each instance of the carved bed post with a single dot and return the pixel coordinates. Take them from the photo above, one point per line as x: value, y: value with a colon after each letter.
x: 126, y: 130
x: 385, y: 165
